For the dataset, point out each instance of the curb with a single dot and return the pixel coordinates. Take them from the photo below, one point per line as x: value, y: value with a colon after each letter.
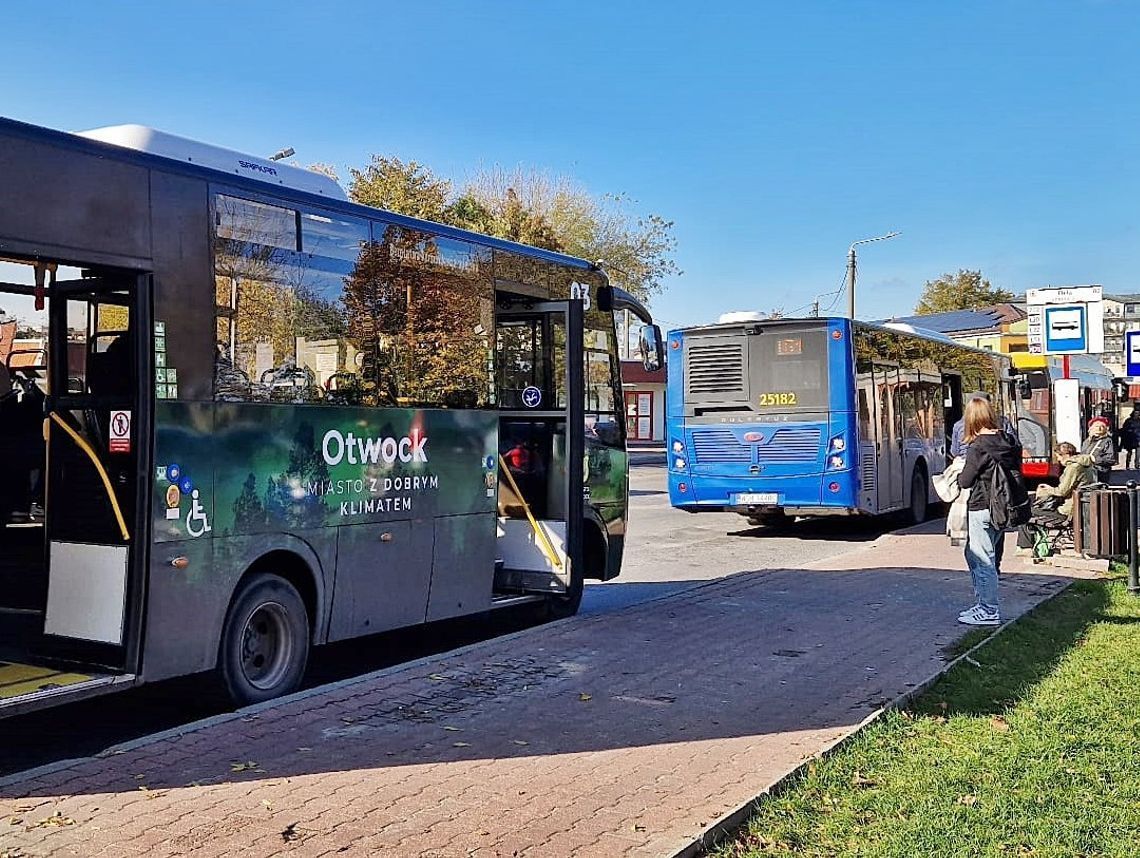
x: 735, y: 819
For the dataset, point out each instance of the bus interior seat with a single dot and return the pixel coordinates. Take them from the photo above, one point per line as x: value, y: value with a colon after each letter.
x: 525, y: 447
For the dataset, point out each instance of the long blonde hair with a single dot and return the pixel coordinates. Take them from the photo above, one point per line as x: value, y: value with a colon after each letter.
x: 979, y: 415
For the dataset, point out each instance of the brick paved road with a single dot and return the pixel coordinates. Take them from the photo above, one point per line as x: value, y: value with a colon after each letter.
x: 601, y: 736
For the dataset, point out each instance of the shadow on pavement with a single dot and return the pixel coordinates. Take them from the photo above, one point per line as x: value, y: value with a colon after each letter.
x: 745, y: 657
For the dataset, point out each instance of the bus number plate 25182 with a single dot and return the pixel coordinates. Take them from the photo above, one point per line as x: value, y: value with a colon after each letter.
x: 748, y: 498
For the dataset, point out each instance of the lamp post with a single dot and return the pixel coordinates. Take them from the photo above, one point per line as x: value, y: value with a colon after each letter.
x: 851, y: 270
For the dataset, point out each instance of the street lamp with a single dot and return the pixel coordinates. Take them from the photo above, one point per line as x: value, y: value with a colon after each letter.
x: 851, y: 270
x: 282, y: 154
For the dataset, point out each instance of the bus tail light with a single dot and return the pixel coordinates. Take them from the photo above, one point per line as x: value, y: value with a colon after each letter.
x: 833, y: 488
x: 682, y: 488
x: 679, y: 460
x: 835, y: 462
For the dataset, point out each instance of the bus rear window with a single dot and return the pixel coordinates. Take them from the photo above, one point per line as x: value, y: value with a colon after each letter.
x: 788, y: 370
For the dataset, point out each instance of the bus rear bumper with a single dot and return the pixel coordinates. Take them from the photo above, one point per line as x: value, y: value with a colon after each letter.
x: 815, y: 495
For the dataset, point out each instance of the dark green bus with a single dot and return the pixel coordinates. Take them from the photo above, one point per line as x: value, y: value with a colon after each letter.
x: 241, y: 416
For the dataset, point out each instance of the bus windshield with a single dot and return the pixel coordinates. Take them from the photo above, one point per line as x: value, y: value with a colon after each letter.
x: 767, y: 368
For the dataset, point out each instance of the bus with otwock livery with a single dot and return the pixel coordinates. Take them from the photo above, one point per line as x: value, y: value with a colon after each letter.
x: 241, y: 415
x: 780, y: 418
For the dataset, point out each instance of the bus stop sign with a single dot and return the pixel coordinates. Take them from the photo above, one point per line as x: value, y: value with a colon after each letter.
x: 1067, y: 320
x: 1132, y: 354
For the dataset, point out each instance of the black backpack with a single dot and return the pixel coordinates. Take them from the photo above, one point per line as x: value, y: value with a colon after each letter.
x: 1010, y: 505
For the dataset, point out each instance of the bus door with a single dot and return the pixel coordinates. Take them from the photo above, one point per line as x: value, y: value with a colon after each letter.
x: 96, y: 467
x: 888, y: 439
x: 541, y: 468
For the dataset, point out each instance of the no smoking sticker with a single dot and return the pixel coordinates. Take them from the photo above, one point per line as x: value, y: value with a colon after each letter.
x: 120, y: 434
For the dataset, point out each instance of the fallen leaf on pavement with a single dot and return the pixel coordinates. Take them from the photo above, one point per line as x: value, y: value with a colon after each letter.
x: 57, y: 819
x: 437, y: 677
x: 461, y: 744
x: 453, y: 729
x: 520, y: 742
x: 248, y: 766
x: 289, y: 832
x: 584, y: 696
x: 639, y: 827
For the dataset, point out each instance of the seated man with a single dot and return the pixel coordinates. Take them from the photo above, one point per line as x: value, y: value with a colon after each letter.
x: 1053, y: 506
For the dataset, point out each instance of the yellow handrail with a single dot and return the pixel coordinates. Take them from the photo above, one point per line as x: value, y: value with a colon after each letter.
x: 86, y: 448
x: 546, y: 547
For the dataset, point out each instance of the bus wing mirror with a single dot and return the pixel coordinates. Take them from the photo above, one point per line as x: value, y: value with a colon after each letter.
x: 652, y: 348
x: 1023, y: 389
x: 606, y: 298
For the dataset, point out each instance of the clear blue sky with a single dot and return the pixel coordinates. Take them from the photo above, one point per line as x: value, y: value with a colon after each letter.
x: 996, y: 135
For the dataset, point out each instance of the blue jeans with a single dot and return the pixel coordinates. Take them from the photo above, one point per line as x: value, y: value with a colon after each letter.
x: 982, y: 540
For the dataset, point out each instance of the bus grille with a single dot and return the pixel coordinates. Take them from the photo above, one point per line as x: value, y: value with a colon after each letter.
x: 715, y: 368
x: 791, y: 445
x: 719, y: 445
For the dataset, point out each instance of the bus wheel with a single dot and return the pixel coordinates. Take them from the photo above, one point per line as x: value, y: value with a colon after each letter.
x: 919, y: 498
x: 265, y: 641
x: 563, y: 605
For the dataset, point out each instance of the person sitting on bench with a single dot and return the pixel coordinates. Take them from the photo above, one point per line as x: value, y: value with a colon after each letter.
x: 1053, y: 505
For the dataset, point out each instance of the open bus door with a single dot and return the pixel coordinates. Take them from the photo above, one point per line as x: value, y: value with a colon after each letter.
x: 72, y: 592
x: 541, y: 447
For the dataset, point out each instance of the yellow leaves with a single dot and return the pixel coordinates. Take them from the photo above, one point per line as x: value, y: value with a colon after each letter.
x: 56, y: 820
x: 968, y: 800
x: 584, y: 697
x: 248, y: 766
x: 860, y: 780
x: 999, y: 724
x: 437, y: 677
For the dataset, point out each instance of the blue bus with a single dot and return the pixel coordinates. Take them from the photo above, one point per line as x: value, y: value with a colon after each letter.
x: 775, y: 419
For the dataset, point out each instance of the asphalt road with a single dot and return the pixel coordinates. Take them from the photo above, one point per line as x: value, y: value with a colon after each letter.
x: 666, y: 551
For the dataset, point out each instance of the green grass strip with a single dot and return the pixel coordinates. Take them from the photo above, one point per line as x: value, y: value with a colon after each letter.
x: 1034, y: 750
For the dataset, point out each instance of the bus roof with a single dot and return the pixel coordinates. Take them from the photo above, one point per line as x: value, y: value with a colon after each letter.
x: 168, y: 162
x: 893, y: 328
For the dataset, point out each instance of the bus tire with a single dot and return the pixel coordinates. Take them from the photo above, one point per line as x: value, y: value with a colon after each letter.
x: 559, y: 606
x: 265, y: 641
x: 919, y: 497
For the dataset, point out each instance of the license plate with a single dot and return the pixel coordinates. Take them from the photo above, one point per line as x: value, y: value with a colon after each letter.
x: 757, y: 498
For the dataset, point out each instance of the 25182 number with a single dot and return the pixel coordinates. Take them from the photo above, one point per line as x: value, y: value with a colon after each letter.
x: 769, y: 399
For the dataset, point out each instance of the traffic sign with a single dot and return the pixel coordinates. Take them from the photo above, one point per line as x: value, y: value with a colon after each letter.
x: 1066, y: 320
x: 1132, y: 353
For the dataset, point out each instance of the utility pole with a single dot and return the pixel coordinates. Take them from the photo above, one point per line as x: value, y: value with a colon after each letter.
x: 815, y: 309
x: 851, y: 265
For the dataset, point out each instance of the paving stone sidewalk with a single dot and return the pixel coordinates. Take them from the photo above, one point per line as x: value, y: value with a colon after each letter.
x: 623, y: 734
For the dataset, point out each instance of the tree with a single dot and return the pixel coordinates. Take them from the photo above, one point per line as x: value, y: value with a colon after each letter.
x: 533, y: 208
x: 405, y: 188
x: 965, y: 290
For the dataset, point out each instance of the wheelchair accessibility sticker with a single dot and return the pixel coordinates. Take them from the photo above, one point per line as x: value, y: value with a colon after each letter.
x: 197, y: 522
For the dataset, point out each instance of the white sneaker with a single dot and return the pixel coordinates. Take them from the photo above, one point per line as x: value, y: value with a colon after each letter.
x: 968, y: 610
x: 979, y: 616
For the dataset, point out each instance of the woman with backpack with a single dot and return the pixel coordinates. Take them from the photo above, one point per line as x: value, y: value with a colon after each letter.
x: 990, y: 449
